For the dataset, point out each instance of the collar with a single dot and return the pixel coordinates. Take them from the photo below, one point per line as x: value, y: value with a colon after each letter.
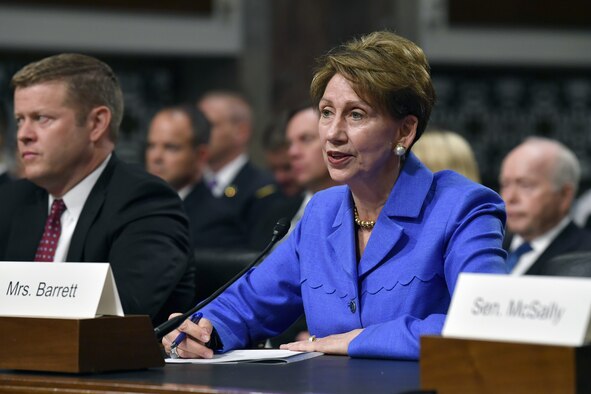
x: 184, y: 191
x: 77, y: 196
x: 410, y: 190
x: 307, y: 197
x: 227, y: 174
x: 540, y: 243
x: 414, y: 180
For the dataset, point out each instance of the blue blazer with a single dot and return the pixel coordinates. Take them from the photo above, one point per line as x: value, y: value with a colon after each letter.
x: 432, y: 227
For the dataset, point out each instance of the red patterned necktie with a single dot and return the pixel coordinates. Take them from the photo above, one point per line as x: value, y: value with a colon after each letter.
x: 51, y: 234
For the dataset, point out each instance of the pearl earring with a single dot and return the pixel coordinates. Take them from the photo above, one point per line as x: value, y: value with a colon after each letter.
x: 399, y: 150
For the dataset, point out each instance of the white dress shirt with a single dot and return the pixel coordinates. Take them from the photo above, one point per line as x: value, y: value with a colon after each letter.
x: 184, y: 191
x: 225, y: 176
x: 539, y: 245
x: 74, y: 199
x: 298, y: 215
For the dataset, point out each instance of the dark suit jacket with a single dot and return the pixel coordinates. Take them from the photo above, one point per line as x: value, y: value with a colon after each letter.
x: 131, y: 219
x: 199, y: 195
x: 228, y: 222
x: 571, y: 239
x: 5, y: 178
x: 284, y: 208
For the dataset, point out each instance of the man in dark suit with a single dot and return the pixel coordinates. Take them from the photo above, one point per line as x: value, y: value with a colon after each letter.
x: 4, y: 178
x: 68, y: 109
x: 539, y: 179
x: 276, y: 150
x: 241, y: 192
x: 308, y: 166
x: 177, y: 150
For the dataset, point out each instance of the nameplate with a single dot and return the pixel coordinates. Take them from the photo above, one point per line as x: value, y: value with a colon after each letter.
x: 58, y: 290
x: 531, y: 309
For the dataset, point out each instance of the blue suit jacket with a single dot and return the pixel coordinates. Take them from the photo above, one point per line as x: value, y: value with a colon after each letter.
x: 433, y: 227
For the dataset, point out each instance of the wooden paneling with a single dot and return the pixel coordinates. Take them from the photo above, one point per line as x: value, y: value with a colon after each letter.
x: 566, y: 14
x: 191, y: 7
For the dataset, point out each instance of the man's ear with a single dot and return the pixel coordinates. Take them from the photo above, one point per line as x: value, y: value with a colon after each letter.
x: 567, y: 195
x: 99, y: 119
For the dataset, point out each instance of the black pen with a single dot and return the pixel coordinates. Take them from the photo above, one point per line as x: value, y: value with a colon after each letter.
x: 195, y: 317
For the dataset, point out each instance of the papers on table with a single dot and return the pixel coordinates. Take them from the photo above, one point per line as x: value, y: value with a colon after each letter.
x: 265, y: 356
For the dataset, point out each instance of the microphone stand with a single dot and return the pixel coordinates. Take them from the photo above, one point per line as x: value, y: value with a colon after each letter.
x: 279, y: 232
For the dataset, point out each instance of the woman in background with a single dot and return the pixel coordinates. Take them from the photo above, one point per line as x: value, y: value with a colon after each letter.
x: 446, y: 150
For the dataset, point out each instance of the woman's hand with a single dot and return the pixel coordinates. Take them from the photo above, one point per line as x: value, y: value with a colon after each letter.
x: 332, y: 344
x: 194, y: 344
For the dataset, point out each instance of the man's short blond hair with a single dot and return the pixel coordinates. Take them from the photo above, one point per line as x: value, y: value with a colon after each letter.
x: 90, y: 83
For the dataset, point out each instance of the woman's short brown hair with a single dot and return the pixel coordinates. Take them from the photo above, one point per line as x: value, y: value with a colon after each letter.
x: 386, y: 70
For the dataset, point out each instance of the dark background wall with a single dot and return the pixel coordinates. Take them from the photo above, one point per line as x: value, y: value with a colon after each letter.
x: 496, y: 108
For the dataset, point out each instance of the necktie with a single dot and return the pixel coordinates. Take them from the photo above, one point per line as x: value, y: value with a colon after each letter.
x: 516, y: 255
x: 51, y: 234
x: 211, y: 184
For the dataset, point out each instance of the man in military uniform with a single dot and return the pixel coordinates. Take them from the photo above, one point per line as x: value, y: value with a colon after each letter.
x: 240, y: 191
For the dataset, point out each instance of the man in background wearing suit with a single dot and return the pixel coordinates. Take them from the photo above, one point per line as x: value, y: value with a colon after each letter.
x: 539, y: 180
x: 308, y: 166
x: 68, y: 109
x: 305, y: 153
x: 241, y: 192
x: 276, y: 148
x: 177, y: 149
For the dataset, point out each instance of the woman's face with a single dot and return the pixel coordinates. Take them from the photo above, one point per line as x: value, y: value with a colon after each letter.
x: 357, y: 139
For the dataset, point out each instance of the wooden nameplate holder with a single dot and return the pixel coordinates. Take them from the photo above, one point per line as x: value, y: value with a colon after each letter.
x: 452, y: 365
x: 108, y: 343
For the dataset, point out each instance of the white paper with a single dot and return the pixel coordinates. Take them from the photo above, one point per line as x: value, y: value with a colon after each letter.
x: 267, y: 356
x: 530, y: 309
x: 58, y: 290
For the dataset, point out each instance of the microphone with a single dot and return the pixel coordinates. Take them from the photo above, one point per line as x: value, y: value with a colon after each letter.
x: 281, y: 228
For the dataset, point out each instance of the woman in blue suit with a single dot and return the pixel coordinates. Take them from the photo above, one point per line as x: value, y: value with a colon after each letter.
x: 372, y: 263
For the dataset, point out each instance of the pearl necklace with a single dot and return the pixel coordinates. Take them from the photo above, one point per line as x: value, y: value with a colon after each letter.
x: 363, y: 224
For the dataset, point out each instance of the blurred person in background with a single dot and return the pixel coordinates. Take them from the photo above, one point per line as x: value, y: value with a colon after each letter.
x: 276, y: 147
x: 4, y: 174
x: 446, y: 150
x: 539, y: 180
x: 241, y: 192
x: 308, y: 167
x: 177, y: 148
x: 305, y: 154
